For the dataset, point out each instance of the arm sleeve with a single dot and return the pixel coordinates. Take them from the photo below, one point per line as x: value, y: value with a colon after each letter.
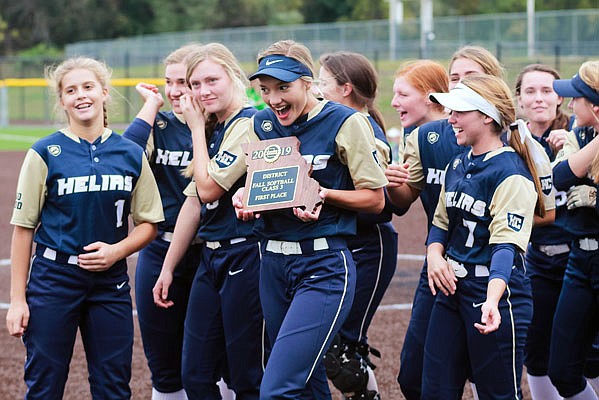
x: 512, y: 211
x: 139, y: 132
x: 146, y: 205
x: 502, y: 261
x: 229, y: 164
x: 563, y: 177
x: 31, y: 191
x: 412, y: 157
x: 436, y: 235
x: 356, y: 148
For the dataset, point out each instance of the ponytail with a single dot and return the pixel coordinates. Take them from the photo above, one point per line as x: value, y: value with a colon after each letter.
x: 525, y: 152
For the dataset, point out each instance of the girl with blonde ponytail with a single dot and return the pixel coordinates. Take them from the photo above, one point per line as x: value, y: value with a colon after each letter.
x: 480, y: 232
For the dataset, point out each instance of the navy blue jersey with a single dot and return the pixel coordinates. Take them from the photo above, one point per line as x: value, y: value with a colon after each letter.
x: 320, y: 133
x: 227, y: 168
x: 90, y: 190
x: 169, y: 147
x: 486, y: 199
x: 581, y: 221
x: 554, y: 233
x: 428, y: 150
x: 384, y: 157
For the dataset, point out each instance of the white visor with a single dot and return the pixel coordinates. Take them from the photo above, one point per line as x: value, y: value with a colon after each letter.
x: 462, y: 98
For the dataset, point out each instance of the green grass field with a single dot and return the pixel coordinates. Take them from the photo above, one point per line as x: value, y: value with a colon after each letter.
x: 15, y: 138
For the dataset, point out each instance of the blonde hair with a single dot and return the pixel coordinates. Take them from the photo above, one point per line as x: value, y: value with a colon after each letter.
x: 55, y: 74
x: 178, y: 56
x: 222, y: 56
x: 483, y: 57
x: 426, y: 76
x: 497, y: 92
x: 291, y: 49
x: 589, y: 73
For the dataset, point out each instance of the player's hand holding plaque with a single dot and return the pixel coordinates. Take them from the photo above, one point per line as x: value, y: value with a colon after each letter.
x: 278, y: 177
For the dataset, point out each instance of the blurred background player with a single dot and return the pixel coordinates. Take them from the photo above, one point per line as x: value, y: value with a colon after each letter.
x: 350, y: 79
x: 481, y: 227
x: 547, y: 252
x: 428, y: 150
x: 307, y: 276
x: 166, y: 139
x: 576, y: 320
x: 224, y: 328
x: 76, y: 190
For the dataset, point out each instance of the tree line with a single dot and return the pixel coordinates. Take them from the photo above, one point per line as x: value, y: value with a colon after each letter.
x: 41, y: 26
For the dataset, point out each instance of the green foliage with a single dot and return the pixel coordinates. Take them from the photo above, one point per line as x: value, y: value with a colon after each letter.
x: 42, y: 49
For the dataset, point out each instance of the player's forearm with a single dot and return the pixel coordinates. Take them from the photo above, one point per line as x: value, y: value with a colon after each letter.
x: 149, y: 110
x: 22, y: 240
x: 360, y: 200
x: 137, y: 239
x: 495, y: 289
x: 183, y: 234
x: 402, y: 196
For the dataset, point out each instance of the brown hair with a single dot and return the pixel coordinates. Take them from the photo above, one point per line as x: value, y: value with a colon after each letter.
x: 497, y: 92
x: 426, y: 76
x: 357, y: 70
x: 561, y: 120
x: 55, y: 74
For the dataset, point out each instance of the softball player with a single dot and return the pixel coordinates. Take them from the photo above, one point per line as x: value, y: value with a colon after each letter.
x: 76, y: 189
x: 224, y: 310
x: 548, y: 250
x: 428, y: 150
x: 576, y: 320
x: 167, y: 140
x: 481, y: 227
x: 350, y: 79
x: 307, y: 276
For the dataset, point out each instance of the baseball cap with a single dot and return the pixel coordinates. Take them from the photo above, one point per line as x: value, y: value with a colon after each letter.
x: 575, y: 87
x: 280, y: 67
x: 462, y: 98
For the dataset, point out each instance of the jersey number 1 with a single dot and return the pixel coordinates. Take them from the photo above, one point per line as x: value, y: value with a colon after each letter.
x: 120, y: 206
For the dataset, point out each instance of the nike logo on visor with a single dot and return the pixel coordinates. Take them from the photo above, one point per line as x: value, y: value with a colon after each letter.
x: 271, y: 62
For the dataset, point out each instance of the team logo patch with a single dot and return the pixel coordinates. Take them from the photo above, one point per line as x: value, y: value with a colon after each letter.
x: 266, y: 125
x: 515, y: 221
x: 432, y: 137
x: 225, y: 159
x: 546, y: 184
x: 161, y: 124
x: 54, y: 149
x: 272, y: 153
x: 456, y: 162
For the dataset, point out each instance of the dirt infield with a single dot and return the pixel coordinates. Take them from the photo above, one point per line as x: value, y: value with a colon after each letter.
x: 386, y: 333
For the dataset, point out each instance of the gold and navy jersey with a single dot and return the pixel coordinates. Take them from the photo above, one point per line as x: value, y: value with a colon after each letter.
x: 339, y: 143
x: 554, y: 233
x: 428, y: 150
x: 486, y: 199
x: 80, y: 192
x: 169, y: 148
x: 228, y: 169
x: 581, y: 221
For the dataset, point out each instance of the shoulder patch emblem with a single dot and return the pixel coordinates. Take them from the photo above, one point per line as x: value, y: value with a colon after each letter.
x: 160, y: 123
x: 546, y: 184
x: 266, y: 125
x: 515, y: 221
x: 54, y: 149
x: 225, y: 159
x: 432, y: 137
x: 456, y: 162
